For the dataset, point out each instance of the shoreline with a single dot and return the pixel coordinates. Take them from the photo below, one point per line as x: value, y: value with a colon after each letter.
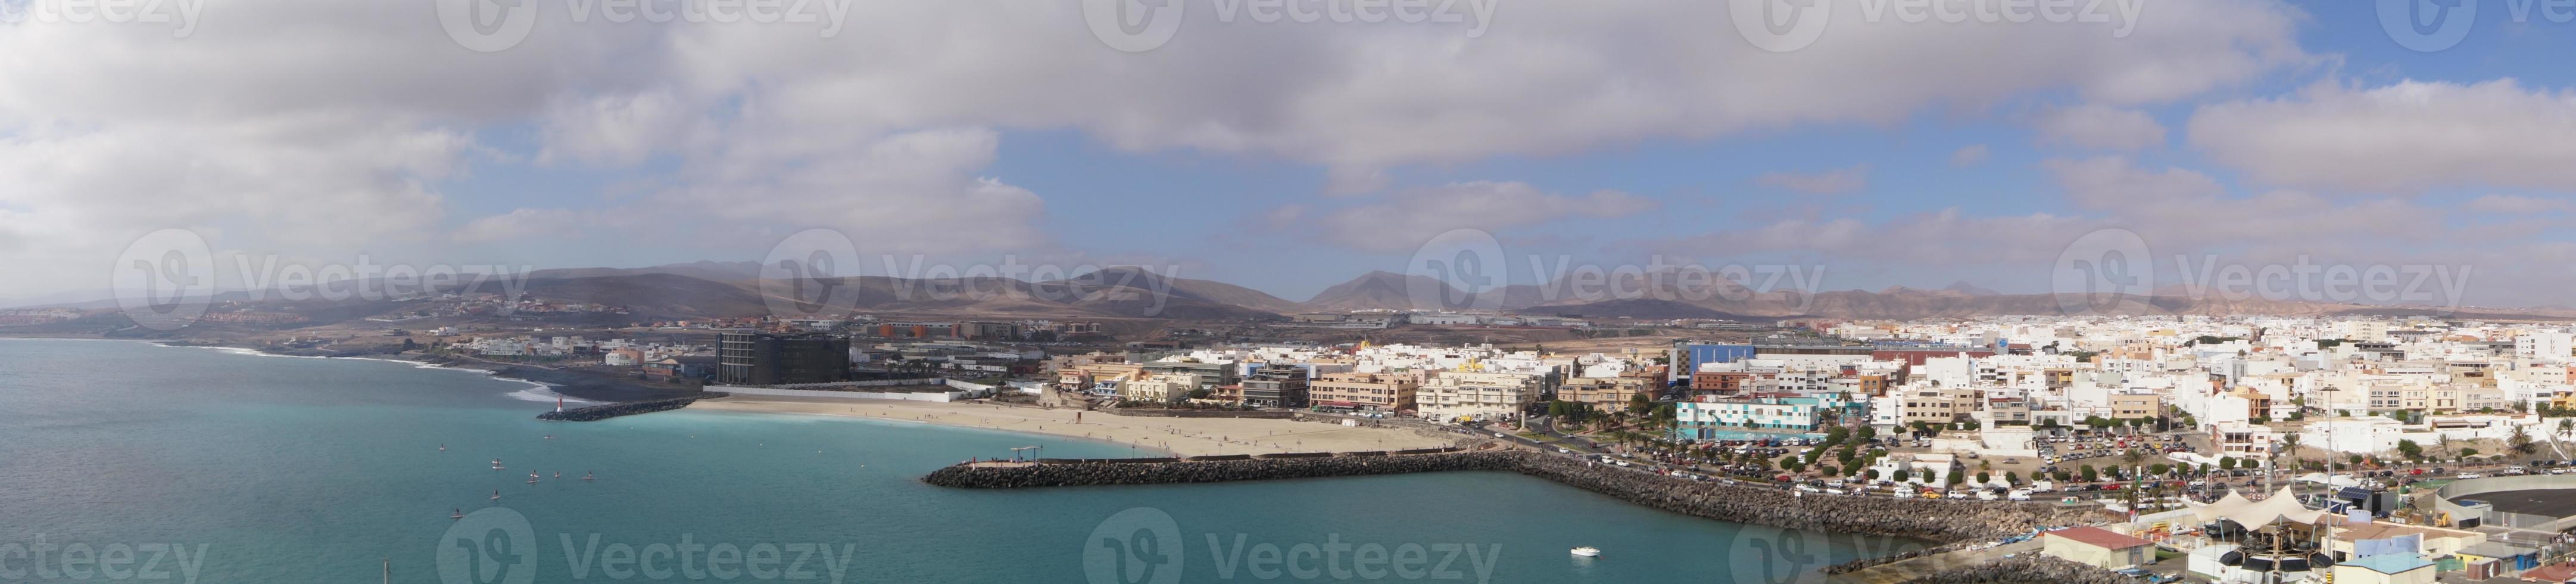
x: 1177, y: 437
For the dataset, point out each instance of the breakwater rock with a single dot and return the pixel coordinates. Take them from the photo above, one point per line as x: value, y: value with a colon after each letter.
x: 1931, y: 519
x: 1210, y: 471
x: 606, y: 411
x: 2025, y: 569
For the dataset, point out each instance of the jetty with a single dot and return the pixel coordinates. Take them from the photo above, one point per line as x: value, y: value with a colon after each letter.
x: 1939, y: 520
x: 606, y: 411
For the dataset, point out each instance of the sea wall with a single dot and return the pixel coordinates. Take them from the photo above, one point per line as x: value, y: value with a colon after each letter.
x: 1939, y: 520
x: 2025, y: 569
x: 606, y: 411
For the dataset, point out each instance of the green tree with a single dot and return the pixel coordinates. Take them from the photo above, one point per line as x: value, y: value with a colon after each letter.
x: 1983, y: 478
x: 2410, y: 450
x: 2089, y: 473
x: 1903, y: 475
x: 2520, y: 442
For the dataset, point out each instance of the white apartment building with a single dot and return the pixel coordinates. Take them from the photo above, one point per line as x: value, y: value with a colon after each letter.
x: 1450, y: 395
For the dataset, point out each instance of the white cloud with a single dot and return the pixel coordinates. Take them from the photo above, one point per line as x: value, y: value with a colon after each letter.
x: 1405, y: 219
x: 2400, y: 138
x: 1970, y: 155
x: 1832, y: 182
x: 2100, y: 127
x: 2517, y: 204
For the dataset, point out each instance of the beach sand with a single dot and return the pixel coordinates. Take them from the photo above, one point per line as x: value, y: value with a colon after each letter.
x: 1151, y: 435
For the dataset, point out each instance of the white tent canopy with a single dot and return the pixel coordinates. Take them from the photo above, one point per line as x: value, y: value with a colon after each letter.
x: 2253, y: 513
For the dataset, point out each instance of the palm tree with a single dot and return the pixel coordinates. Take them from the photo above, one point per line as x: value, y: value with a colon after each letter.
x: 2291, y: 441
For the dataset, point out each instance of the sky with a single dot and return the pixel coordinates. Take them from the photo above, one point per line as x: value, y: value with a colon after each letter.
x: 1292, y: 145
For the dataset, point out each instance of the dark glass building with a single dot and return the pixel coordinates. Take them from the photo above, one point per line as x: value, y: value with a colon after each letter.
x: 748, y: 358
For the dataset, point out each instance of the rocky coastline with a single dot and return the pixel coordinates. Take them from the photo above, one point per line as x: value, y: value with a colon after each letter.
x: 1934, y: 520
x: 2025, y: 569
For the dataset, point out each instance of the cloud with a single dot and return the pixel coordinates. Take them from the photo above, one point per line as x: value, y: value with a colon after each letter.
x: 2516, y: 204
x: 1832, y: 182
x: 2101, y: 128
x: 1405, y: 219
x: 1970, y: 155
x: 2401, y: 138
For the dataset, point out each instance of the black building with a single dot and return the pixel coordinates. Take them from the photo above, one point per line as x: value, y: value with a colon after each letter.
x: 768, y: 359
x: 1276, y: 386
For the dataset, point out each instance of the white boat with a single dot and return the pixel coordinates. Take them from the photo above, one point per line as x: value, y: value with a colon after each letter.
x: 586, y: 476
x: 459, y: 514
x: 532, y: 478
x: 496, y: 495
x: 496, y: 464
x: 1588, y: 551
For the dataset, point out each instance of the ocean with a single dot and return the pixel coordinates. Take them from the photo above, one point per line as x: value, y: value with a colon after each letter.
x: 133, y: 461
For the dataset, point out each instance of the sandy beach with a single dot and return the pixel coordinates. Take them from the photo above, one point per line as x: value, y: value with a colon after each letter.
x: 1180, y: 436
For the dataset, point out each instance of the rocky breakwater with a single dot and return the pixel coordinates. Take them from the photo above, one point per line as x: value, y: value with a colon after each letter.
x: 1939, y: 520
x: 2025, y: 569
x: 606, y: 411
x: 1930, y: 519
x: 1097, y: 473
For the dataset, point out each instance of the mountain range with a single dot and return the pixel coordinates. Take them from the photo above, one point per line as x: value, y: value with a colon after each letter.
x: 735, y: 289
x: 1139, y: 292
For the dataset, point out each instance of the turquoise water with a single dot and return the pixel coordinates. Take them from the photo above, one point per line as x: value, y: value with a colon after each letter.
x: 318, y: 470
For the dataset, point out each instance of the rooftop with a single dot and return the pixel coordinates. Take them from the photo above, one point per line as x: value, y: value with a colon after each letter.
x: 2391, y: 563
x: 2099, y: 537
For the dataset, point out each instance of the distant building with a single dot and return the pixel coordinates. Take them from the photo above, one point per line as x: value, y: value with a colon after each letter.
x: 746, y: 358
x: 1276, y: 386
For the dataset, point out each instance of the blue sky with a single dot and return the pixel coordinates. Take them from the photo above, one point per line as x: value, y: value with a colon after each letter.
x: 1292, y: 156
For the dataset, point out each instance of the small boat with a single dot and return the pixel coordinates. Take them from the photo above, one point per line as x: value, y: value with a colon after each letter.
x: 558, y: 474
x: 496, y: 494
x: 442, y: 448
x: 1588, y: 551
x: 585, y: 475
x: 496, y: 464
x: 459, y: 514
x: 532, y: 478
